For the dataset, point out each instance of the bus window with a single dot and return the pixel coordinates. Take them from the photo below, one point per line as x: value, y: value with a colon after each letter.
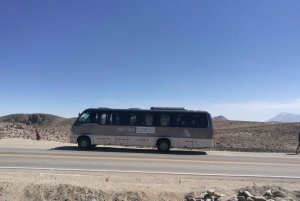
x: 164, y: 119
x: 198, y: 121
x: 116, y: 119
x: 181, y: 120
x: 97, y: 119
x: 87, y: 117
x: 103, y: 119
x: 147, y: 119
x: 130, y: 119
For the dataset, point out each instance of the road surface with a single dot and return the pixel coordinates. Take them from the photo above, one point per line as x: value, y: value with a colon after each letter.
x: 117, y: 159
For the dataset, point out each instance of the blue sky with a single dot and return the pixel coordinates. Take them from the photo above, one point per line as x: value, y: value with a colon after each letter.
x: 239, y: 59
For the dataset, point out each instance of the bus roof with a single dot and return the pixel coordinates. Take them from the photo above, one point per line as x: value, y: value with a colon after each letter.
x: 152, y: 109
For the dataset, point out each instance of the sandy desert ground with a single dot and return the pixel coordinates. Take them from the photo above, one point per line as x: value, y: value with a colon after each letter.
x: 253, y: 137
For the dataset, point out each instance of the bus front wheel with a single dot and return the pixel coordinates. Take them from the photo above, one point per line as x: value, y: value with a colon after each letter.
x: 84, y: 143
x: 163, y: 146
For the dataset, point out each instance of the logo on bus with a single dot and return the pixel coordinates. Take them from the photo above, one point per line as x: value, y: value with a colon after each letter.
x: 186, y: 133
x: 145, y: 130
x: 128, y: 130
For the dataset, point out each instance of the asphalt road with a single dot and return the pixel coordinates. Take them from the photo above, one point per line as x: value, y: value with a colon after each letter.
x: 151, y: 161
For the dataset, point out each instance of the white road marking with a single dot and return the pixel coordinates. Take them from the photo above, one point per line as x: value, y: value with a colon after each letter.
x: 145, y: 172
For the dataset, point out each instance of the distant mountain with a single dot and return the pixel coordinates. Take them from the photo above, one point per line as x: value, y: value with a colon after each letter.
x: 286, y: 117
x: 220, y: 118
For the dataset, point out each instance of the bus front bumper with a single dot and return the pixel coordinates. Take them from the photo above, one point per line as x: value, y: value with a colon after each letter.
x: 73, y: 139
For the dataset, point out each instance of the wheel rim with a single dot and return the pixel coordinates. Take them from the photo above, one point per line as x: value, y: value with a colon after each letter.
x: 163, y: 146
x: 83, y: 143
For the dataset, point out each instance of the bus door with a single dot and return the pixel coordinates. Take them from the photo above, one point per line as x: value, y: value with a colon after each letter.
x: 96, y: 131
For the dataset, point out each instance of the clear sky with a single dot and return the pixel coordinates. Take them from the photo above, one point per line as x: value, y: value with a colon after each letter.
x: 239, y: 59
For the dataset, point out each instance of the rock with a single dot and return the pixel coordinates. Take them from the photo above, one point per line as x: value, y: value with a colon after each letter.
x: 219, y: 194
x: 279, y: 199
x: 211, y: 192
x: 191, y: 199
x: 247, y: 194
x: 241, y: 198
x: 190, y: 195
x: 227, y: 198
x: 249, y: 199
x: 268, y: 193
x: 259, y: 198
x: 278, y: 194
x: 240, y: 193
x: 206, y: 197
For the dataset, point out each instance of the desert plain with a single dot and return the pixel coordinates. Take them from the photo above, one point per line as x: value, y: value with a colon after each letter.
x: 230, y: 137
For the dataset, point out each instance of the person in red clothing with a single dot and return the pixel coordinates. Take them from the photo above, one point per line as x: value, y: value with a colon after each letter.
x: 37, y: 134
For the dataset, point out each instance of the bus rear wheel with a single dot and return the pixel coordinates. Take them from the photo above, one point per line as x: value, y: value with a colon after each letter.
x: 84, y: 143
x: 163, y: 146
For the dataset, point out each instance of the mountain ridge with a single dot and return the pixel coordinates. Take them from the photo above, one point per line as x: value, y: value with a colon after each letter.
x: 220, y: 118
x: 285, y: 117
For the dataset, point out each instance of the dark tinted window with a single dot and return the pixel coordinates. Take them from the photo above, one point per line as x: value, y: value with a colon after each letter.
x: 146, y: 119
x: 116, y: 118
x: 110, y: 119
x: 181, y: 120
x: 164, y: 119
x: 198, y: 120
x: 130, y: 119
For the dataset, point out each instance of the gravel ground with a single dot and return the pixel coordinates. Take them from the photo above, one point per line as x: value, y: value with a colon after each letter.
x: 239, y: 136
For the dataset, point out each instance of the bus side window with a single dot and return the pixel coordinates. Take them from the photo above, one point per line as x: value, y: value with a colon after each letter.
x: 164, y: 120
x: 103, y: 119
x: 198, y: 121
x: 130, y: 119
x: 93, y: 117
x: 181, y: 120
x: 116, y: 119
x: 203, y: 121
x: 147, y: 119
x: 97, y: 119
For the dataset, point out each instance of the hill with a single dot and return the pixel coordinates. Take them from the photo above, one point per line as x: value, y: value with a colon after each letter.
x: 39, y: 120
x: 285, y: 117
x: 51, y: 127
x: 220, y: 118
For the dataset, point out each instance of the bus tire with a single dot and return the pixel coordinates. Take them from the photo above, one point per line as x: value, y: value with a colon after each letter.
x: 84, y: 143
x: 163, y: 146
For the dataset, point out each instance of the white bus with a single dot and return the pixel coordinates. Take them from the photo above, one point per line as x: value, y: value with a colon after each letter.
x: 161, y: 127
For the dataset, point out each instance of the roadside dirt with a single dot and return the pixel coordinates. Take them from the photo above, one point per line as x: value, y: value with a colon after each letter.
x: 25, y: 184
x: 52, y: 185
